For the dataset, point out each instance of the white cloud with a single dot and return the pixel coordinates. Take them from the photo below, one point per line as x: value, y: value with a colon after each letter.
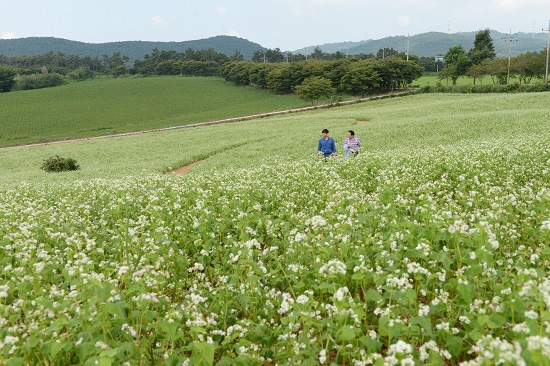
x: 7, y: 35
x: 159, y: 21
x: 233, y: 33
x: 403, y: 20
x: 222, y: 10
x: 512, y: 5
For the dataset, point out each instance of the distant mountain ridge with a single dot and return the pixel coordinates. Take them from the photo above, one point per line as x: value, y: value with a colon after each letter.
x: 135, y: 50
x: 432, y: 44
x: 429, y: 44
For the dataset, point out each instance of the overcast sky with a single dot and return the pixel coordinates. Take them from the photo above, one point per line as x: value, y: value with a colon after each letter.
x: 285, y: 24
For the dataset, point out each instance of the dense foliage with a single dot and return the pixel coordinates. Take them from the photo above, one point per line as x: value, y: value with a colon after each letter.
x: 354, y: 76
x: 193, y: 63
x: 7, y: 78
x: 39, y: 81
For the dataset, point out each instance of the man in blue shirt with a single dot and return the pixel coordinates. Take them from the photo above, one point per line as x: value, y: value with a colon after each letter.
x: 326, y: 145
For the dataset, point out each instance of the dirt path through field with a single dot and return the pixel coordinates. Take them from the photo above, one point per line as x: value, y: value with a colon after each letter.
x: 185, y: 168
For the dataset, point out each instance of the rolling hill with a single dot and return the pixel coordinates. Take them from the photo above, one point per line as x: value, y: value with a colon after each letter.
x: 423, y: 45
x: 135, y: 50
x: 437, y: 43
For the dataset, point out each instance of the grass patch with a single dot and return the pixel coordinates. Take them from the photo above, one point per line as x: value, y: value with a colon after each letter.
x: 431, y: 79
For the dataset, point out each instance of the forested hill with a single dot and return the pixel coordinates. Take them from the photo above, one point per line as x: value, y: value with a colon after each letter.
x: 135, y: 50
x: 436, y: 43
x: 422, y: 45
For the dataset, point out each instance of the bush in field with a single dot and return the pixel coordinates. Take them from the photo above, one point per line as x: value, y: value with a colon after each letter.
x: 7, y: 79
x: 82, y: 73
x: 59, y: 164
x: 39, y: 81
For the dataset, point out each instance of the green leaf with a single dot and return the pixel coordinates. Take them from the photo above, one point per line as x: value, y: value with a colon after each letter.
x: 85, y: 351
x: 252, y: 279
x: 346, y: 334
x: 475, y: 335
x: 203, y: 353
x: 446, y: 261
x: 372, y: 345
x: 243, y: 360
x: 15, y: 361
x: 109, y: 352
x: 107, y: 357
x: 474, y: 270
x: 56, y: 348
x: 373, y: 295
x: 454, y: 345
x: 465, y: 292
x: 496, y: 321
x: 170, y: 328
x: 424, y: 323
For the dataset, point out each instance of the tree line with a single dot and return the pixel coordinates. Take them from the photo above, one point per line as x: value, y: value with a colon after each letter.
x: 281, y: 72
x: 481, y: 61
x: 350, y: 76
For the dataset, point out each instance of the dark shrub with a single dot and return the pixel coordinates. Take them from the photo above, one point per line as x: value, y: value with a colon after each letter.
x: 59, y: 164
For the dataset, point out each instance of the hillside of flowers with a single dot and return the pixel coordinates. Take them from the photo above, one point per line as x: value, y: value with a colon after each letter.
x: 435, y: 256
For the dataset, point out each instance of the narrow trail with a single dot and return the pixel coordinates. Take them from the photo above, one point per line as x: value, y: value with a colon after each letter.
x: 185, y: 168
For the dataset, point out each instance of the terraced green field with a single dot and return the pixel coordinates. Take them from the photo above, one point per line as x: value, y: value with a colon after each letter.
x: 107, y: 106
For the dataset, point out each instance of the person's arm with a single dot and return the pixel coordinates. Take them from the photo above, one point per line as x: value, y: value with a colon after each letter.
x: 346, y: 144
x: 333, y: 147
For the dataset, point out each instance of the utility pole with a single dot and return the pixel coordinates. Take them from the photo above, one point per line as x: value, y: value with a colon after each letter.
x: 547, y: 54
x: 509, y: 38
x: 407, y: 47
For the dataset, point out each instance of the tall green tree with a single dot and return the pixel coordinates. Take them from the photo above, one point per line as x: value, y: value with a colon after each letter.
x: 7, y: 79
x: 483, y: 47
x: 457, y: 57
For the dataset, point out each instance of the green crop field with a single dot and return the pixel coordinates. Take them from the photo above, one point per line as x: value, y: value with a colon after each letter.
x: 108, y: 106
x: 429, y: 248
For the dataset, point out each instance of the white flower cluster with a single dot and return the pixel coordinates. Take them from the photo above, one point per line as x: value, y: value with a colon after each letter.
x: 333, y: 267
x: 316, y: 222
